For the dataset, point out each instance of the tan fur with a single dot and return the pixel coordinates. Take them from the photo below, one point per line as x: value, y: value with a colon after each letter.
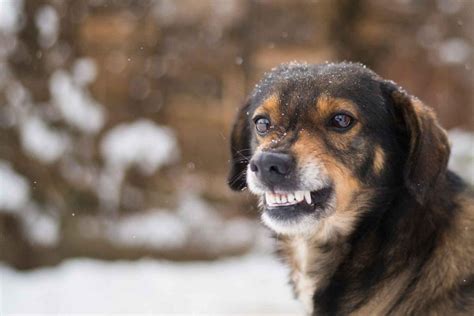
x: 310, y: 263
x: 379, y: 159
x: 313, y: 258
x: 346, y: 185
x: 414, y: 249
x: 453, y: 259
x: 328, y: 106
x: 386, y: 296
x: 270, y: 106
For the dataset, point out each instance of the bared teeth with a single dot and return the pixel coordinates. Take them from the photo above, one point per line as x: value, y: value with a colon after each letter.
x: 270, y: 198
x: 282, y: 199
x: 307, y: 197
x: 299, y: 195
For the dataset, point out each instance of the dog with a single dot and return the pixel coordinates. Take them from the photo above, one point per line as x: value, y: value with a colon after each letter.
x: 351, y: 174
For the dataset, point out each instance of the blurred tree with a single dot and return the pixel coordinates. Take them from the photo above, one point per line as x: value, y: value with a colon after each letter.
x: 115, y: 114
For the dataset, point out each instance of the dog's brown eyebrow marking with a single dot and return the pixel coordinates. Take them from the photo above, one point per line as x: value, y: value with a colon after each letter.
x: 379, y: 159
x: 326, y: 105
x: 269, y: 106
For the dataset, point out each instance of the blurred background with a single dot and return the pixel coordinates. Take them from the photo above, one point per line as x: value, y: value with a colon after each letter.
x: 114, y: 123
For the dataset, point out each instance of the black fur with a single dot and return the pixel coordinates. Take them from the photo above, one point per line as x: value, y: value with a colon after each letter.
x: 412, y: 205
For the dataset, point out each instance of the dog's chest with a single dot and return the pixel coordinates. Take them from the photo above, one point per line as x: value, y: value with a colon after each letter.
x: 304, y: 284
x: 310, y: 268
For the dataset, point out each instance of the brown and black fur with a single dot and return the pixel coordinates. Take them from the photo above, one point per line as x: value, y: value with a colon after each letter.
x: 401, y: 239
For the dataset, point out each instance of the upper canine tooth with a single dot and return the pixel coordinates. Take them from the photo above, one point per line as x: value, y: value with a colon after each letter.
x: 269, y: 198
x: 307, y: 196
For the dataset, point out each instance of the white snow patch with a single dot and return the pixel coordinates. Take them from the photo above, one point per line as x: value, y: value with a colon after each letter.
x: 47, y: 22
x: 141, y: 143
x: 251, y: 284
x: 208, y: 227
x: 10, y: 15
x: 462, y: 153
x: 75, y: 104
x: 194, y: 224
x: 197, y: 212
x: 153, y: 229
x: 454, y: 51
x: 14, y: 189
x: 42, y: 142
x: 84, y: 71
x: 238, y: 232
x: 40, y: 227
x: 17, y: 95
x: 36, y: 137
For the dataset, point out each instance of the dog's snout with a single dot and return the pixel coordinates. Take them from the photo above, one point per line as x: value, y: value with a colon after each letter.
x: 276, y: 163
x: 272, y: 167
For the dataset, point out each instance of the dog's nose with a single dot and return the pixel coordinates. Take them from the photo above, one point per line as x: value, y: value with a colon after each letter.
x: 272, y: 167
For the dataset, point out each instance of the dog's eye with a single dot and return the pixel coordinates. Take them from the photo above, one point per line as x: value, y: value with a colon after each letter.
x: 262, y: 125
x: 341, y: 121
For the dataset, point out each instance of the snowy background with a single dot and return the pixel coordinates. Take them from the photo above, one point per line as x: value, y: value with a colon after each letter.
x: 114, y: 118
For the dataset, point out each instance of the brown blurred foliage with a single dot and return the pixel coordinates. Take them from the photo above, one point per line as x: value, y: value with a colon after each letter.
x: 189, y: 65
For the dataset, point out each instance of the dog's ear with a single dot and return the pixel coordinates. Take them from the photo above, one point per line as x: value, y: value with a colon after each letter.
x: 240, y: 150
x: 426, y: 141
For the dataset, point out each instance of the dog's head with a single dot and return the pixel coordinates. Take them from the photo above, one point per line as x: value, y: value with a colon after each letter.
x: 319, y: 143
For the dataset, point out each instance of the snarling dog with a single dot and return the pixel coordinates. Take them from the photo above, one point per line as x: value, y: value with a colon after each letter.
x: 351, y: 173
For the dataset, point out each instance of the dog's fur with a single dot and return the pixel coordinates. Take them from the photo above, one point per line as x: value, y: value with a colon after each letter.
x: 398, y: 236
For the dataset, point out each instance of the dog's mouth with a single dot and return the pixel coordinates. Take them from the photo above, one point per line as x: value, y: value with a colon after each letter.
x: 291, y: 205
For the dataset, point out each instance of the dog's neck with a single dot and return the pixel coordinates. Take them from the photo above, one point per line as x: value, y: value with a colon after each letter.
x: 342, y: 248
x: 312, y: 261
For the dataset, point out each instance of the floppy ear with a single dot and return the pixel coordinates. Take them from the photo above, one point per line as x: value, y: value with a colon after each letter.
x: 427, y: 142
x: 240, y: 150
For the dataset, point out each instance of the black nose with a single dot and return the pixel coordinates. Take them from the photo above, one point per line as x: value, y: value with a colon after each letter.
x: 272, y: 167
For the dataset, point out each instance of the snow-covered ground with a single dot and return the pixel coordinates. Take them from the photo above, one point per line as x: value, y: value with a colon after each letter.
x: 254, y: 284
